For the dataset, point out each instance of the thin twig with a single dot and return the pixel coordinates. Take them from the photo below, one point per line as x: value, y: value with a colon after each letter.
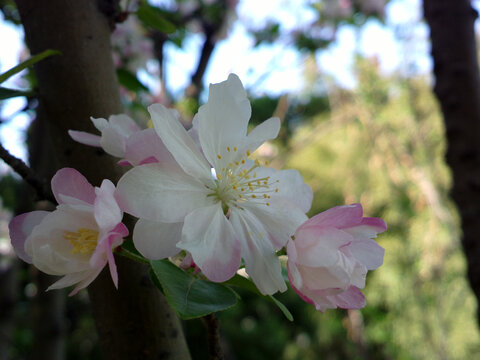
x: 213, y: 337
x: 30, y: 176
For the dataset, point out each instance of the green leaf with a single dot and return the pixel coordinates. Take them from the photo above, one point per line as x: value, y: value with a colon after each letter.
x: 29, y: 62
x: 153, y: 17
x: 6, y: 93
x: 282, y: 307
x: 130, y: 81
x: 244, y: 283
x: 190, y: 296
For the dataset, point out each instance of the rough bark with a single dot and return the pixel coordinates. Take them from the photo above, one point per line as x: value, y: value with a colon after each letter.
x: 457, y: 86
x: 134, y: 322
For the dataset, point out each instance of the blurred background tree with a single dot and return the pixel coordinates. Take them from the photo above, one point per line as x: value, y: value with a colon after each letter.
x: 380, y: 142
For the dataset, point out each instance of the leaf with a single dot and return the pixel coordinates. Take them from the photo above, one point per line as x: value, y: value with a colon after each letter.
x: 29, y: 62
x: 188, y: 295
x: 6, y: 93
x: 130, y: 81
x: 282, y: 307
x: 153, y: 17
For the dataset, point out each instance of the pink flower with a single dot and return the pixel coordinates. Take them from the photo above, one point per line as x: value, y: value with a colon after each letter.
x: 75, y: 240
x: 123, y: 138
x: 330, y: 255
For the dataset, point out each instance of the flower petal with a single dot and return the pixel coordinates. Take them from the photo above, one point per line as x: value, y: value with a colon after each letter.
x: 291, y: 187
x: 70, y: 182
x: 212, y: 241
x: 179, y: 143
x: 368, y: 253
x: 350, y: 299
x: 156, y: 240
x: 106, y: 210
x: 261, y: 261
x: 85, y: 138
x: 368, y: 228
x: 223, y: 120
x: 145, y: 145
x: 267, y: 130
x: 154, y: 193
x: 320, y: 247
x: 280, y: 219
x: 20, y: 228
x: 344, y: 216
x: 99, y: 123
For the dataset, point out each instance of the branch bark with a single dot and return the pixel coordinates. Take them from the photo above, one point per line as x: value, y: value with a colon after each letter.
x: 134, y: 322
x: 457, y: 88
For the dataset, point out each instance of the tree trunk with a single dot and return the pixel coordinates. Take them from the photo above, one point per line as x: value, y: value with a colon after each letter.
x: 457, y: 87
x: 134, y: 322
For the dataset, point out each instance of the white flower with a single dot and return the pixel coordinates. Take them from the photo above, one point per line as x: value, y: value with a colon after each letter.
x: 217, y: 204
x: 77, y: 238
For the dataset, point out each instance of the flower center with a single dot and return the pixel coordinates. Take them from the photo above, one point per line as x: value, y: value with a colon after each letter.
x: 84, y: 241
x: 238, y: 183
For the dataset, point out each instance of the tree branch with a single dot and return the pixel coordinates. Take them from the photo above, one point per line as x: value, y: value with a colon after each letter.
x: 31, y: 177
x: 213, y: 338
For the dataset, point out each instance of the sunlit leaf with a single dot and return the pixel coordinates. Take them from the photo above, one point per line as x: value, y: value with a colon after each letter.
x: 153, y: 17
x: 29, y: 62
x: 130, y: 81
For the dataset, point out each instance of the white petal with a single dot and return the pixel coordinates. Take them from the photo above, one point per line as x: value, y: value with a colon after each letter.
x: 281, y: 219
x: 210, y: 238
x: 154, y: 193
x: 124, y: 124
x: 20, y: 228
x: 156, y: 240
x: 368, y: 253
x: 291, y: 187
x: 223, y: 120
x: 113, y: 142
x: 179, y: 143
x: 85, y: 138
x: 106, y: 210
x: 99, y: 123
x: 267, y: 130
x: 72, y: 278
x: 261, y: 261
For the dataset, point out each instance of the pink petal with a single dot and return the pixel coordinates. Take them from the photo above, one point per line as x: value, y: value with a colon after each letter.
x: 350, y: 299
x: 145, y: 147
x: 85, y: 138
x: 20, y: 228
x: 70, y: 182
x: 340, y: 217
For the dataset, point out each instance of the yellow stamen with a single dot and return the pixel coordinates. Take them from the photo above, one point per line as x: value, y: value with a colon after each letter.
x: 219, y: 156
x: 84, y: 241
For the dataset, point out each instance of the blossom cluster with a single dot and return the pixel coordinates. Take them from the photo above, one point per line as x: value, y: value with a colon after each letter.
x: 201, y: 195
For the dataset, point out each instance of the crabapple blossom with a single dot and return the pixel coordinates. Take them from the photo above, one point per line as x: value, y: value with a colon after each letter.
x: 330, y: 255
x: 122, y: 137
x: 75, y: 240
x: 217, y: 203
x: 114, y: 134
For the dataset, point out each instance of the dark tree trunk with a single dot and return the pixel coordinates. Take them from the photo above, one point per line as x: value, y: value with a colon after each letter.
x: 457, y: 87
x: 134, y: 322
